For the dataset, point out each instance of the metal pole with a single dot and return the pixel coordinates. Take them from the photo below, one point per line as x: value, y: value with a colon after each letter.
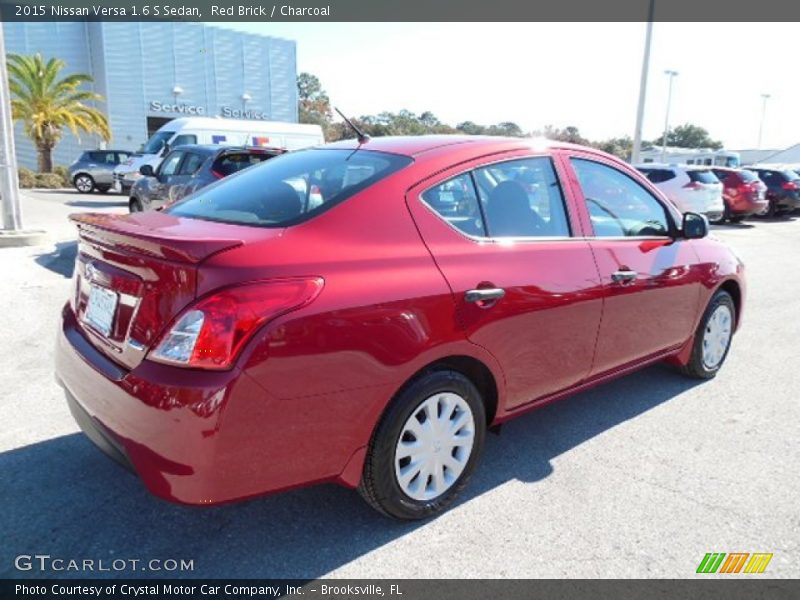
x: 9, y: 192
x: 672, y: 75
x: 764, y: 98
x: 637, y: 132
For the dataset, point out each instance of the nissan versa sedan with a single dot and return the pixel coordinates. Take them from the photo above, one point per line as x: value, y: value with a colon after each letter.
x: 247, y: 339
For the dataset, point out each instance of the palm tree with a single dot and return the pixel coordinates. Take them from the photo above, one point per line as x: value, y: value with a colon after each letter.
x: 47, y: 104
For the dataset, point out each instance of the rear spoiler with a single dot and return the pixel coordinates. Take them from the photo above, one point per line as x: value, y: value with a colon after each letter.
x: 141, y: 233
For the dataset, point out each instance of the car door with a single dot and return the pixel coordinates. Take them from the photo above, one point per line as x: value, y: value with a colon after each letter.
x: 157, y: 188
x: 524, y: 282
x: 191, y: 163
x: 651, y: 278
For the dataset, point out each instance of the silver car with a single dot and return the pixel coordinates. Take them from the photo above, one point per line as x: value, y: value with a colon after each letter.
x: 94, y: 169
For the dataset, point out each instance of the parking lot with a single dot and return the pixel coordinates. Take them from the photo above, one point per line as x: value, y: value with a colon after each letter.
x: 637, y: 478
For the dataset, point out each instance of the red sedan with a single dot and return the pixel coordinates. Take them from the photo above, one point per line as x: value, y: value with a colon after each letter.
x: 363, y: 312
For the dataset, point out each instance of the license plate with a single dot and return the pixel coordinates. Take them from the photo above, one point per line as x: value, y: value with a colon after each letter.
x: 100, y: 309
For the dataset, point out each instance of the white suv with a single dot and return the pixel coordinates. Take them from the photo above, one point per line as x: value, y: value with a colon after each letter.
x: 691, y: 189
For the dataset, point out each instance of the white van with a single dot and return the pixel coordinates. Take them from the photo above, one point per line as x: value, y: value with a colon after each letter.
x: 206, y: 130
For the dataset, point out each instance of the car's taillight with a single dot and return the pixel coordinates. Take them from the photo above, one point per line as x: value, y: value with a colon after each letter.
x: 693, y: 185
x: 211, y: 332
x: 790, y: 185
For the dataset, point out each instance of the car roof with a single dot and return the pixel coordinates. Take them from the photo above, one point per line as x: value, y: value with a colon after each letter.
x: 415, y: 145
x: 212, y: 148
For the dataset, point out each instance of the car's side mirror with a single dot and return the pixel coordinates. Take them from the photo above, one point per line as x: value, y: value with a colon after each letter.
x: 147, y: 171
x: 694, y: 226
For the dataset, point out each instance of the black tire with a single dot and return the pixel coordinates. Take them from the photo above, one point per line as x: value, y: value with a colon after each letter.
x: 772, y: 210
x: 84, y: 183
x: 379, y: 485
x: 737, y: 219
x: 135, y: 205
x: 697, y: 368
x: 725, y: 216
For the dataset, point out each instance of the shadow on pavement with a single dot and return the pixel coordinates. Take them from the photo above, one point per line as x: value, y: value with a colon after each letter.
x: 61, y: 260
x: 62, y: 497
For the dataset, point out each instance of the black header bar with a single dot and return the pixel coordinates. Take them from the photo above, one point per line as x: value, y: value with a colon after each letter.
x: 400, y: 10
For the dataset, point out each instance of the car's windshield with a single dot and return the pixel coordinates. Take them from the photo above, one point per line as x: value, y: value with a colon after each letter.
x: 289, y: 188
x: 156, y: 143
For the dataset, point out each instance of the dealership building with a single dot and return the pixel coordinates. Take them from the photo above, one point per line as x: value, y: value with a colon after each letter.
x: 150, y: 73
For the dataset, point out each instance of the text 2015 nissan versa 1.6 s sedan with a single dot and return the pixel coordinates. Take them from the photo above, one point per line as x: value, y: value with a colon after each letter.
x: 247, y: 340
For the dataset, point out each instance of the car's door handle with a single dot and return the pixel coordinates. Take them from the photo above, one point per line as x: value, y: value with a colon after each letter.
x: 484, y: 295
x: 623, y: 276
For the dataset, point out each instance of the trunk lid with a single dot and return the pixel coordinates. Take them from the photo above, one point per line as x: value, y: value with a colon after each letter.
x: 134, y: 273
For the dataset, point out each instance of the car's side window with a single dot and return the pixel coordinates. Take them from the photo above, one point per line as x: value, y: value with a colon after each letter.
x: 618, y: 205
x: 170, y: 165
x: 191, y: 164
x: 186, y: 138
x: 456, y: 202
x: 522, y: 198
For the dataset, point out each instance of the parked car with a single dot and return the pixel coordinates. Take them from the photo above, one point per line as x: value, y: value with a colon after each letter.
x: 94, y: 169
x: 244, y: 341
x: 189, y: 168
x: 783, y: 189
x: 743, y: 192
x: 212, y: 130
x: 691, y: 189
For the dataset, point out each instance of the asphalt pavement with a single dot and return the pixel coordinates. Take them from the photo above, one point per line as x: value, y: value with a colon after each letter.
x: 640, y: 477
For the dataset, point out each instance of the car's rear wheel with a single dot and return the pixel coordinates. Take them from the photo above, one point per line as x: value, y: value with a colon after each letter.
x: 135, y: 205
x: 83, y: 183
x: 713, y: 337
x: 425, y: 447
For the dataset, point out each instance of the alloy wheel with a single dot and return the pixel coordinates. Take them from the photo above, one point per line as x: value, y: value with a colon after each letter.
x: 84, y: 183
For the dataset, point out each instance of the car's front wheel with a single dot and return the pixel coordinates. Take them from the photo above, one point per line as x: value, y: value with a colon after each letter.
x: 83, y: 183
x: 425, y: 447
x: 713, y: 337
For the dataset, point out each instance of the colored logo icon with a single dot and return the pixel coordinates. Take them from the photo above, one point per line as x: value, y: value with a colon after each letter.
x: 736, y: 562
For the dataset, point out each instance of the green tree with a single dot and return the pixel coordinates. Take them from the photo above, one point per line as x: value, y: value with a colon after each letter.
x: 569, y: 134
x: 46, y: 104
x: 313, y: 103
x: 621, y: 147
x: 689, y: 136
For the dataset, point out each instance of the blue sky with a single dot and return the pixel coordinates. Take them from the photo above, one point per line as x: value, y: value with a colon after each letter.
x: 582, y: 74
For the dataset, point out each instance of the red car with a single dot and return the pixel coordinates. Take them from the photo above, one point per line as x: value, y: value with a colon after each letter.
x: 743, y: 192
x: 362, y: 313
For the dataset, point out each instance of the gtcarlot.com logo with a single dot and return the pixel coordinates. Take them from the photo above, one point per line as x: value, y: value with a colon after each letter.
x: 734, y: 562
x: 46, y: 562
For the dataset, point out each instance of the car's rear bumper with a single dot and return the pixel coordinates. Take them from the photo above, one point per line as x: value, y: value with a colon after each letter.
x: 744, y: 206
x: 172, y: 426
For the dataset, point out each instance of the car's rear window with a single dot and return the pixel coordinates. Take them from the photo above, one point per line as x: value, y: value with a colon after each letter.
x: 290, y: 188
x: 701, y: 176
x: 230, y: 163
x: 747, y: 176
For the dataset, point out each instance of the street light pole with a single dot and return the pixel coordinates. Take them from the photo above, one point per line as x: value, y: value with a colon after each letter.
x: 764, y: 98
x: 9, y: 193
x: 672, y: 75
x: 637, y: 132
